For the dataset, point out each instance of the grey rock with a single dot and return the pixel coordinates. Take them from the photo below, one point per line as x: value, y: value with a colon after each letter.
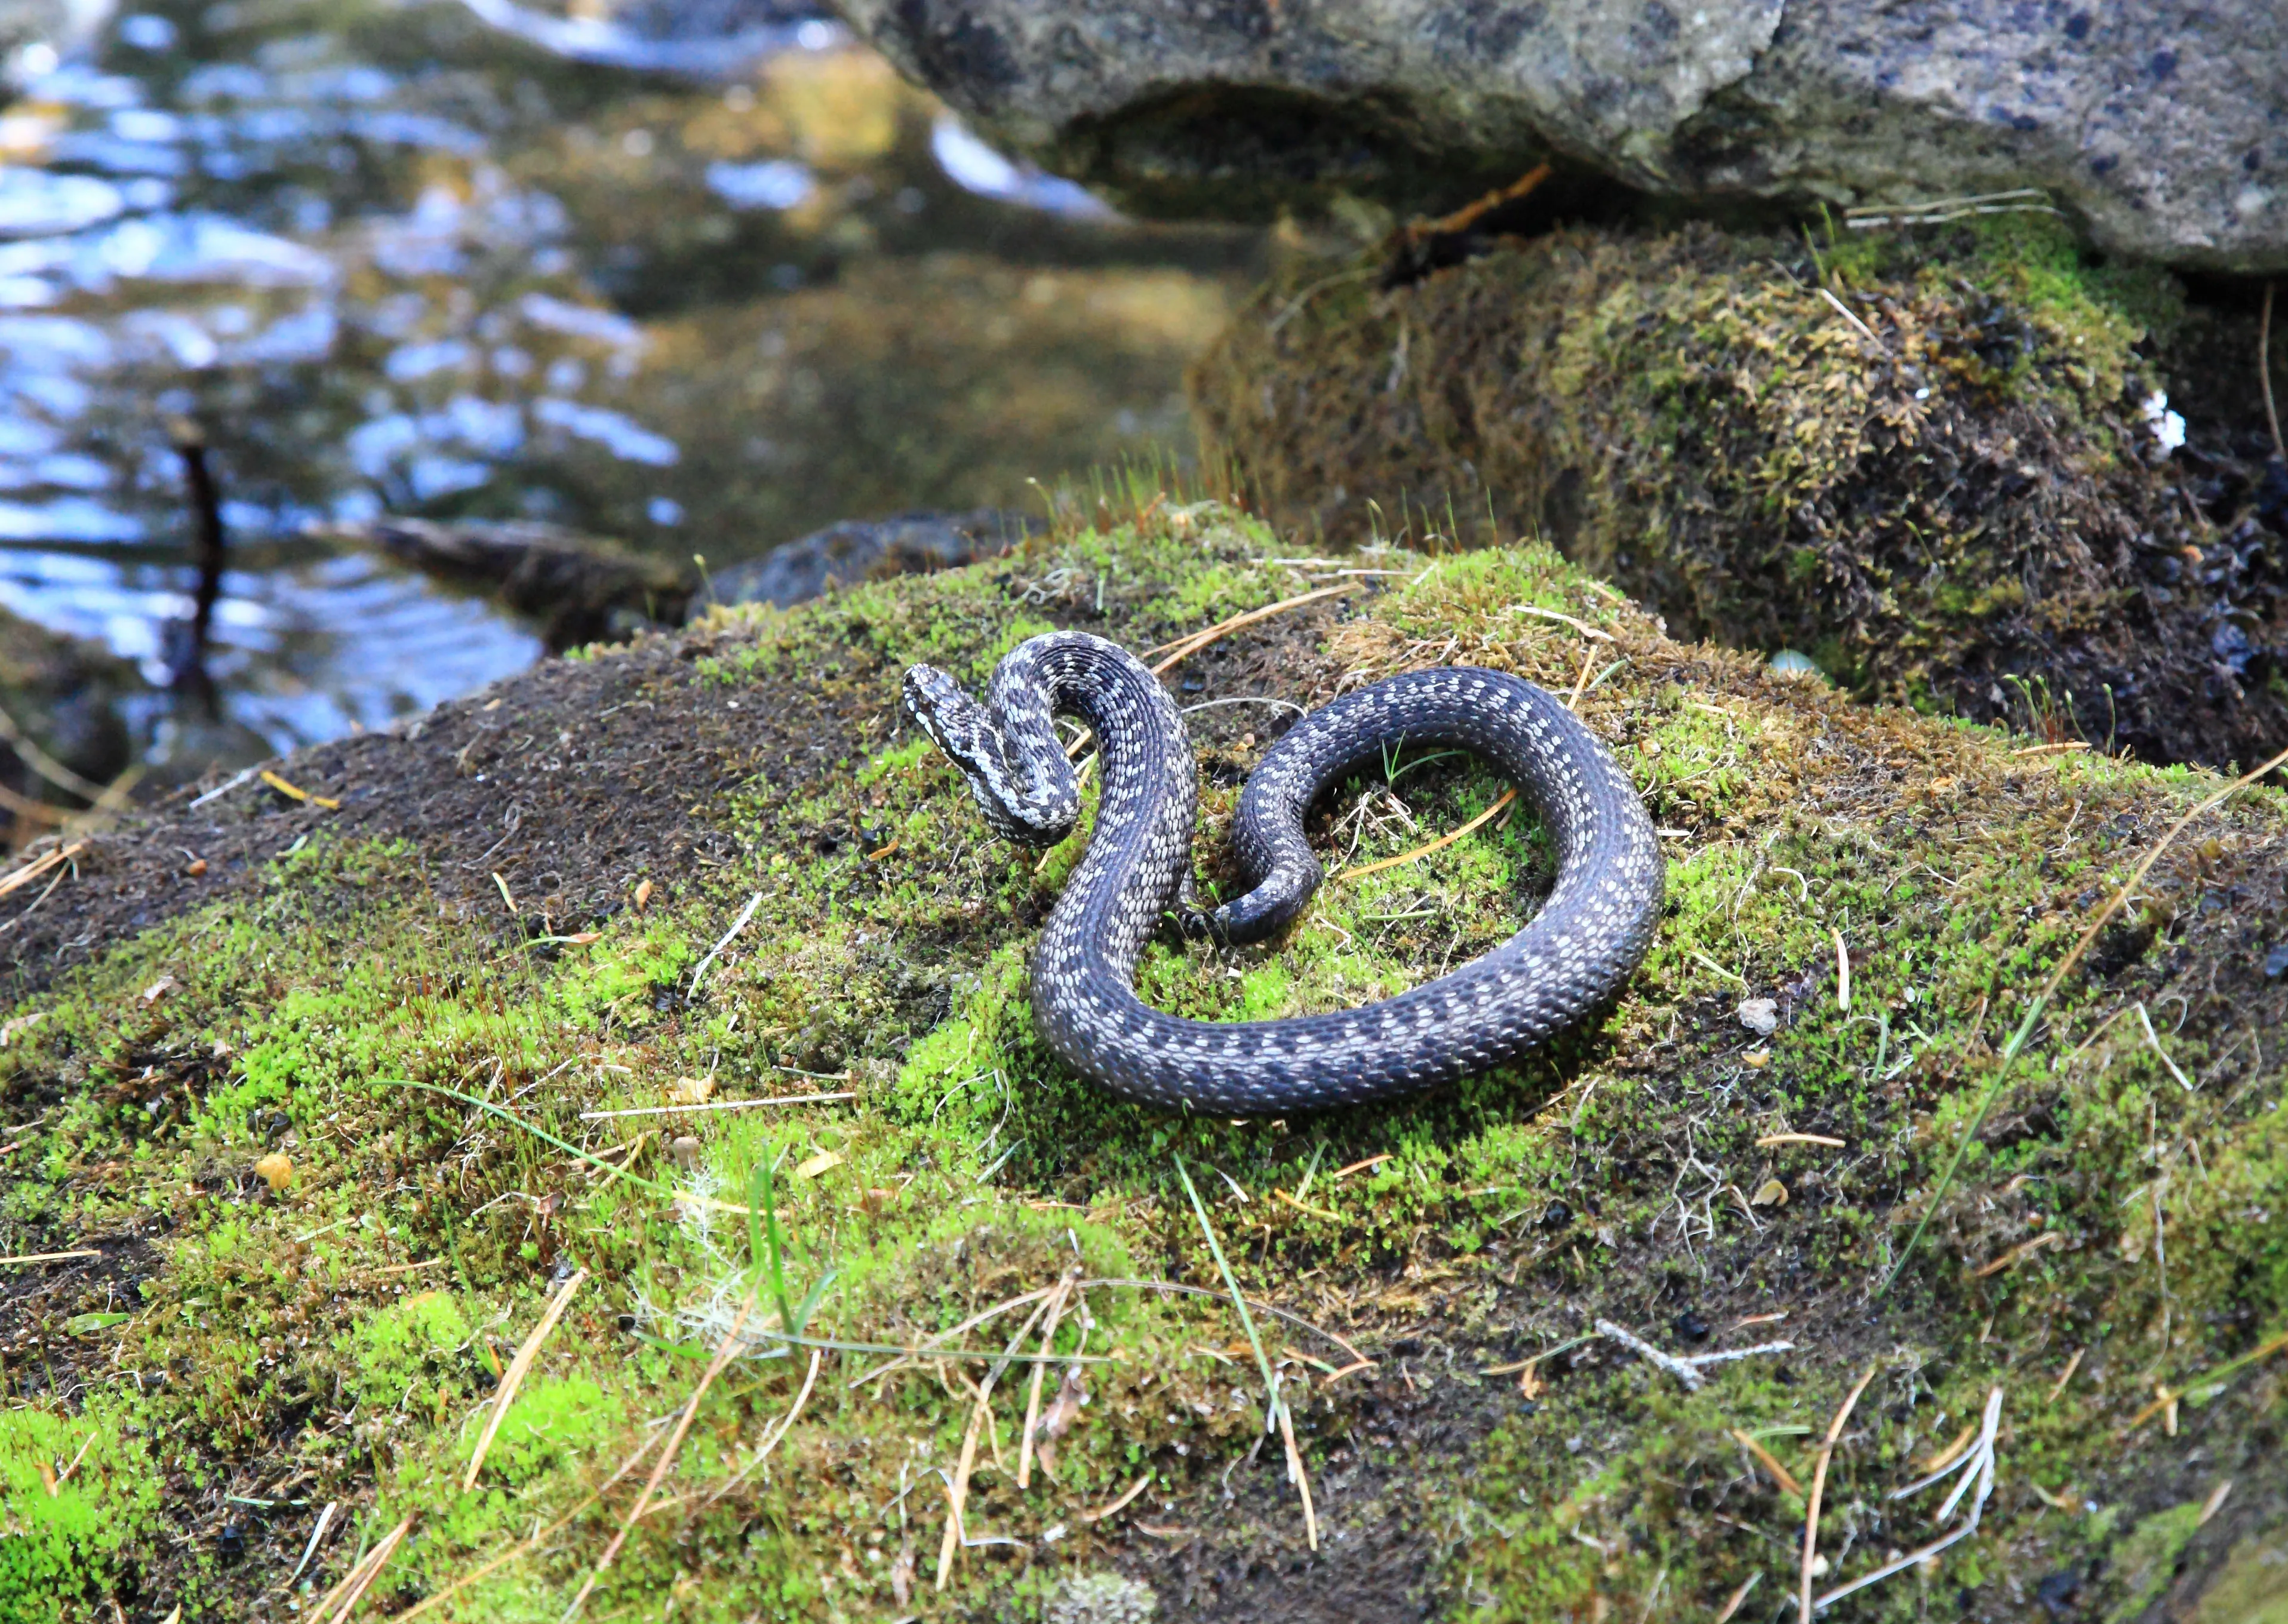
x: 862, y: 550
x: 2162, y: 131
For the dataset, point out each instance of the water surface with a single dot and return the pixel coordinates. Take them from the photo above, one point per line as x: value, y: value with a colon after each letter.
x: 700, y: 293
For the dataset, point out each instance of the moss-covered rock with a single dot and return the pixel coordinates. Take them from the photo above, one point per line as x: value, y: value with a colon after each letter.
x: 1928, y: 460
x: 717, y: 867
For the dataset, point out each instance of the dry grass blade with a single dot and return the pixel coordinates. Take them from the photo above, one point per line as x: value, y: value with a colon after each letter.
x: 725, y: 1352
x: 1114, y: 1507
x: 525, y: 1548
x: 778, y: 1433
x: 1184, y: 648
x: 374, y: 1563
x: 2018, y: 1253
x: 514, y: 1378
x: 1769, y: 1462
x: 1041, y: 1369
x: 1296, y: 1476
x: 1739, y: 1596
x: 342, y: 1600
x: 47, y: 1257
x: 1819, y: 1489
x: 2041, y: 1002
x: 958, y: 1491
x: 17, y: 879
x: 1440, y: 844
x: 929, y: 1345
x: 1582, y: 627
x: 683, y: 1111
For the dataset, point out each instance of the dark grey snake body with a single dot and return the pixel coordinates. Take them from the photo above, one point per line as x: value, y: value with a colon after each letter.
x: 1583, y: 945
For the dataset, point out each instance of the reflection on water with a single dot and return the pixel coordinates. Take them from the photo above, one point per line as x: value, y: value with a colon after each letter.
x: 485, y: 260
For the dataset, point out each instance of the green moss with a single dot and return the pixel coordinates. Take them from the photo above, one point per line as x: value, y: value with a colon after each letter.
x: 1919, y: 455
x: 349, y: 1332
x: 63, y: 1534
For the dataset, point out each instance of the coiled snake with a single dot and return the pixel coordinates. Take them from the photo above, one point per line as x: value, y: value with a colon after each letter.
x: 1584, y: 942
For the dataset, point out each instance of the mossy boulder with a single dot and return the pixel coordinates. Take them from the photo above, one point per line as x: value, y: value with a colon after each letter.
x: 1928, y: 459
x: 717, y: 867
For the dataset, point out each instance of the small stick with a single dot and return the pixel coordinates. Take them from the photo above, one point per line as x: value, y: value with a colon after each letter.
x: 48, y: 1257
x: 1842, y: 971
x: 1040, y: 1369
x: 514, y: 1379
x: 1937, y: 1464
x: 1581, y: 682
x: 1729, y: 1354
x: 1769, y: 1139
x: 2018, y: 1253
x: 1692, y: 1378
x: 1844, y: 311
x: 1819, y: 1488
x: 1439, y: 844
x: 737, y: 925
x: 678, y: 1111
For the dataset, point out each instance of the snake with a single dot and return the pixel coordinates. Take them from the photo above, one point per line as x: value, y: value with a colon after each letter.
x: 1579, y: 948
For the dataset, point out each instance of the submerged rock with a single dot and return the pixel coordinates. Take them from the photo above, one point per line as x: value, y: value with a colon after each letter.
x: 866, y: 550
x: 2163, y: 133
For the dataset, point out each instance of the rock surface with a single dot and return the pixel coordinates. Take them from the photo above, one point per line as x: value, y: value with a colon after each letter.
x: 1937, y: 461
x: 2163, y: 131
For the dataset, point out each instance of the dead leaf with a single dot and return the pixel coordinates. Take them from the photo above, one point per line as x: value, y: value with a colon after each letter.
x: 643, y: 895
x: 692, y: 1090
x: 818, y: 1164
x: 158, y: 989
x: 275, y: 1170
x: 1063, y: 1410
x: 1773, y: 1193
x: 1760, y: 1015
x: 902, y: 1573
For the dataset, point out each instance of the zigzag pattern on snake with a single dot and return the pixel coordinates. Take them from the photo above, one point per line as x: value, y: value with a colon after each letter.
x: 1584, y: 942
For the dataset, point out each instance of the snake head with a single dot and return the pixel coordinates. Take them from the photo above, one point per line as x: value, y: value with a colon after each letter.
x: 1023, y: 786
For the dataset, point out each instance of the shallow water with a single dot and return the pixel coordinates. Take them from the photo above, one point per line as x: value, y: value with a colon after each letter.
x: 702, y: 294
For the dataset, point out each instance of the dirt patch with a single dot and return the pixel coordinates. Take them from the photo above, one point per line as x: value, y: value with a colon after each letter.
x: 1929, y: 462
x: 573, y: 783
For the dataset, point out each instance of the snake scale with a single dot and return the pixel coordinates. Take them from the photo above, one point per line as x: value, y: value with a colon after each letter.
x: 1584, y: 942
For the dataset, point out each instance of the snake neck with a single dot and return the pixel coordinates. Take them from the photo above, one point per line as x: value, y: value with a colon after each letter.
x: 1140, y: 851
